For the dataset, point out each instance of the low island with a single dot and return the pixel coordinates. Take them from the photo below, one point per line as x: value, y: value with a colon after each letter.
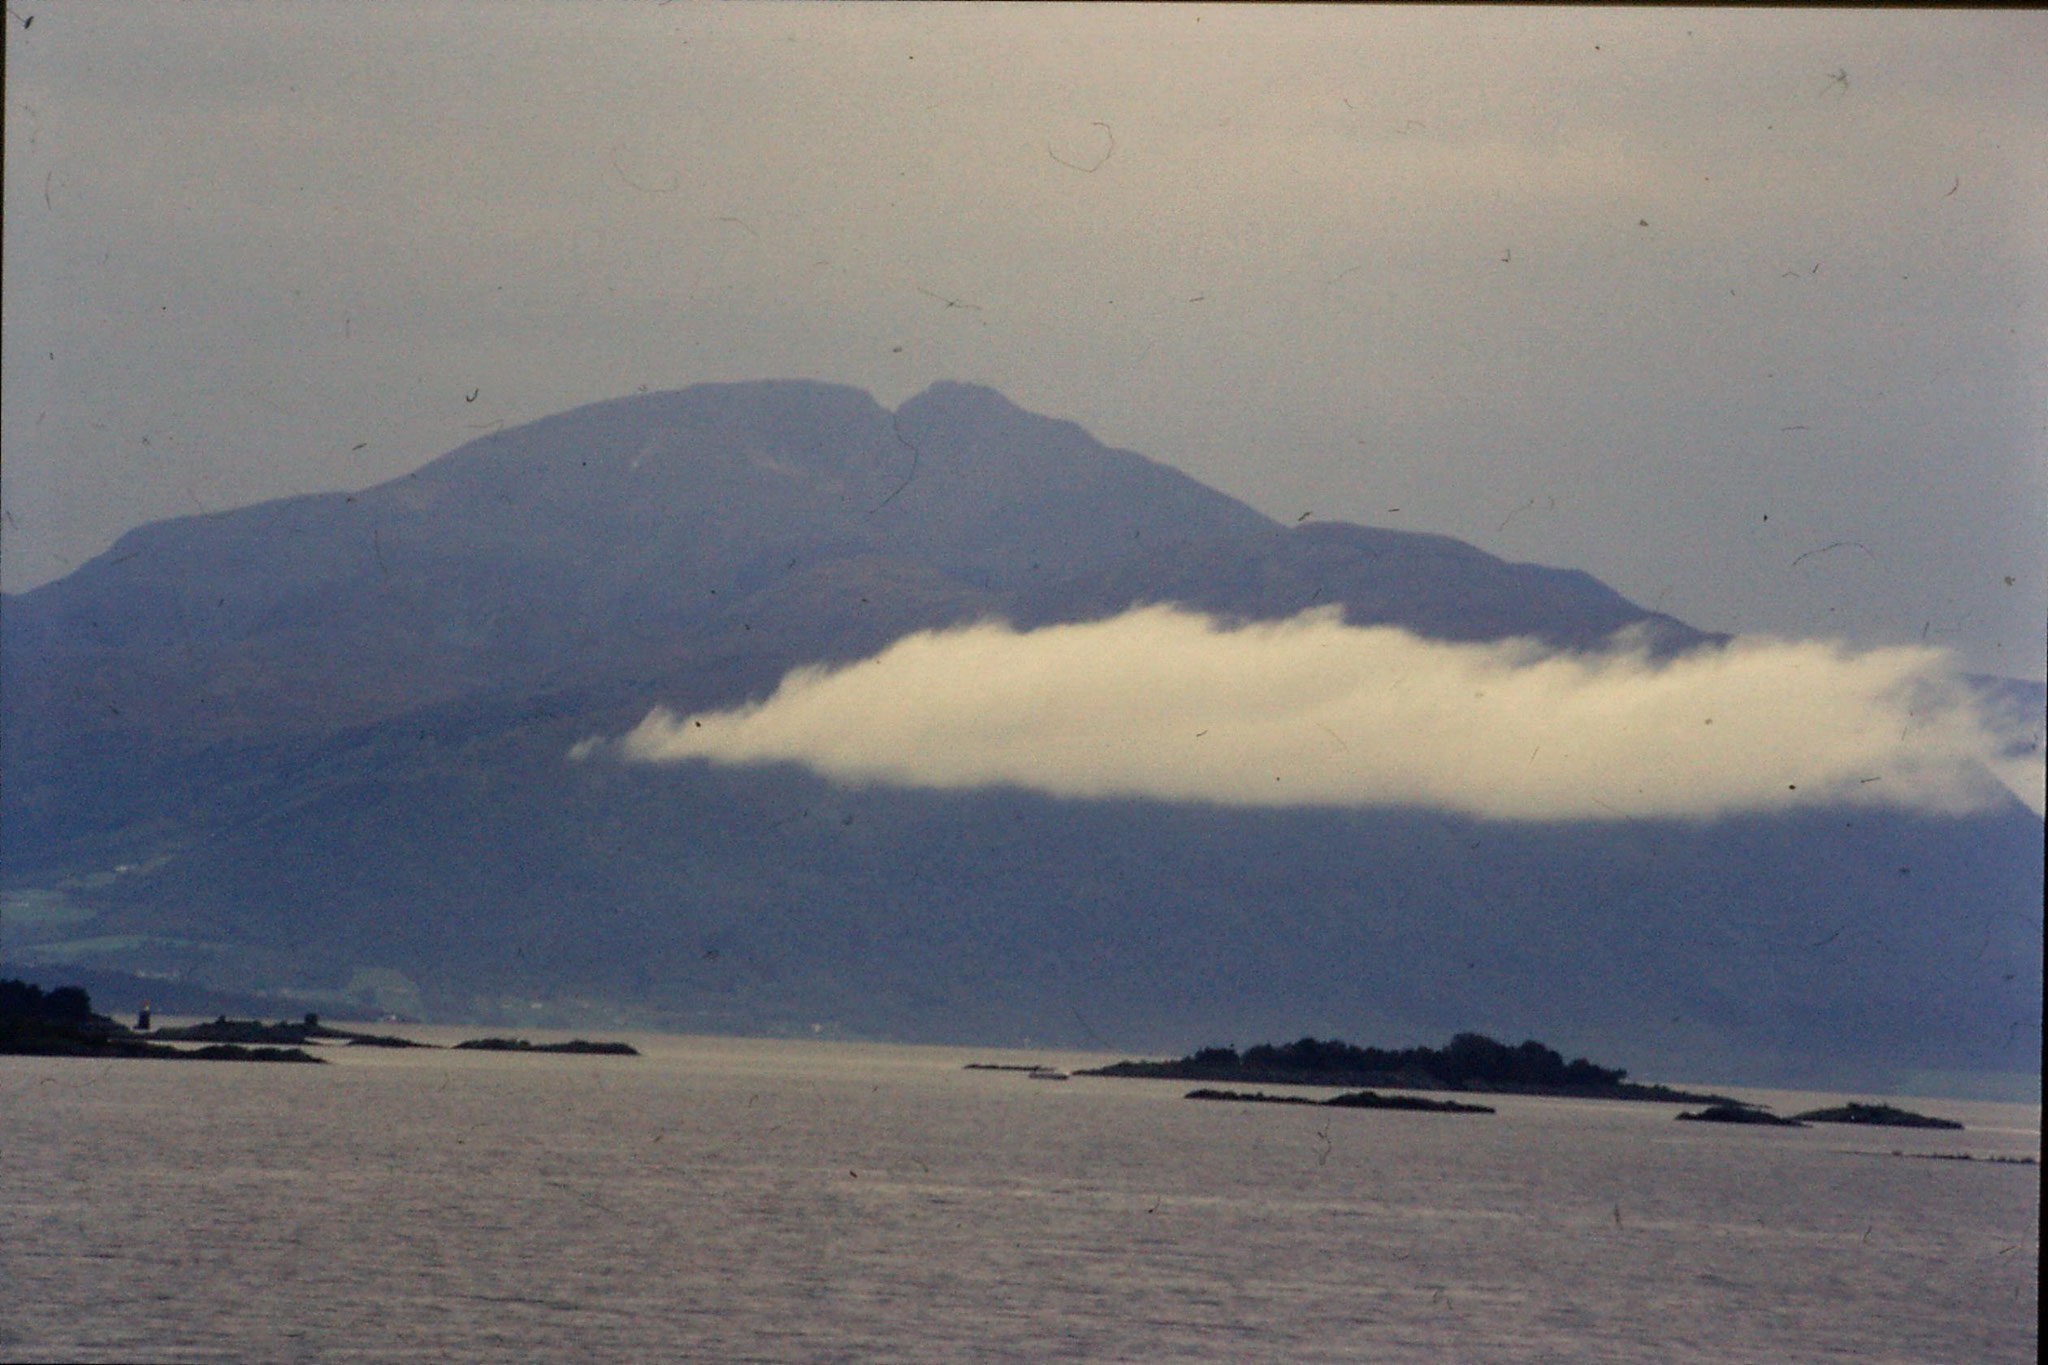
x: 1357, y: 1099
x: 62, y: 1023
x: 1876, y: 1116
x: 310, y: 1029
x: 1470, y: 1062
x: 1870, y: 1115
x: 1739, y: 1113
x: 577, y: 1046
x: 283, y: 1033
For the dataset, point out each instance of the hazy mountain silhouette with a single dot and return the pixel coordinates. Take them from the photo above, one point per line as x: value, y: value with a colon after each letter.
x: 317, y: 746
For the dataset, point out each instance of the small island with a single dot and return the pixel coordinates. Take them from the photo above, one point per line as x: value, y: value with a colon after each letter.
x: 284, y: 1033
x: 1876, y: 1116
x: 310, y: 1029
x: 1357, y: 1099
x: 62, y: 1023
x: 1966, y: 1156
x: 577, y: 1046
x: 1740, y: 1113
x: 1470, y: 1062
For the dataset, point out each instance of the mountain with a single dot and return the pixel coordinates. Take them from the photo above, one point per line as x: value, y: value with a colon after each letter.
x: 314, y: 751
x: 635, y: 535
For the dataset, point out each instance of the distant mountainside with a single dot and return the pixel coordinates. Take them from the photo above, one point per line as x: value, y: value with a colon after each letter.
x: 313, y: 751
x: 791, y: 521
x: 633, y: 528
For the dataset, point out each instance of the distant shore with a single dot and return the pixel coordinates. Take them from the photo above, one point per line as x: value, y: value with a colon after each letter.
x: 1469, y: 1063
x: 62, y: 1023
x: 1357, y: 1099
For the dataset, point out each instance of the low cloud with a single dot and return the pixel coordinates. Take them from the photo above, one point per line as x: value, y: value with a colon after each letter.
x: 1166, y: 704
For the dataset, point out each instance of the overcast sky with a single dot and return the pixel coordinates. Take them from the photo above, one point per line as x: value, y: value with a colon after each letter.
x: 1743, y: 312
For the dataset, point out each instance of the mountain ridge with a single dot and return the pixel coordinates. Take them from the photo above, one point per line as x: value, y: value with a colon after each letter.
x: 317, y: 749
x: 373, y: 598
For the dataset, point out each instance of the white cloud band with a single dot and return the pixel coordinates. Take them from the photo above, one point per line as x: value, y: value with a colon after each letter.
x: 1162, y: 703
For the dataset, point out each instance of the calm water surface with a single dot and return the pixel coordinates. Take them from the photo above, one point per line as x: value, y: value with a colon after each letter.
x: 776, y: 1201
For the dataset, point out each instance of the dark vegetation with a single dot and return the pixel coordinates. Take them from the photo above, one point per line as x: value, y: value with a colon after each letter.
x: 310, y: 1029
x: 61, y: 1023
x: 307, y: 1030
x: 385, y: 1040
x: 1740, y: 1113
x: 1876, y: 1116
x: 578, y: 1046
x: 67, y: 1006
x: 1357, y: 1099
x: 1871, y: 1115
x: 235, y: 1052
x: 1470, y: 1061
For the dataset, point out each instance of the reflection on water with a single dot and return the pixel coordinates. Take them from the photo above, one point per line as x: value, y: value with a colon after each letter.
x: 745, y: 1200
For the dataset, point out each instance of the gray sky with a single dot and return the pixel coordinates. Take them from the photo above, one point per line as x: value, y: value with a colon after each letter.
x: 1679, y: 298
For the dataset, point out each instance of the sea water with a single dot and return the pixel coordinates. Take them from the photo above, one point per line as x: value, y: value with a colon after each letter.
x: 730, y: 1200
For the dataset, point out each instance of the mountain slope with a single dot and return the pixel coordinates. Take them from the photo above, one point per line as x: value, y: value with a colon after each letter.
x: 317, y: 748
x: 618, y: 527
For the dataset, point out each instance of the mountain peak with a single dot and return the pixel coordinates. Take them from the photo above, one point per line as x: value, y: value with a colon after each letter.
x: 322, y: 741
x: 961, y: 393
x: 634, y: 524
